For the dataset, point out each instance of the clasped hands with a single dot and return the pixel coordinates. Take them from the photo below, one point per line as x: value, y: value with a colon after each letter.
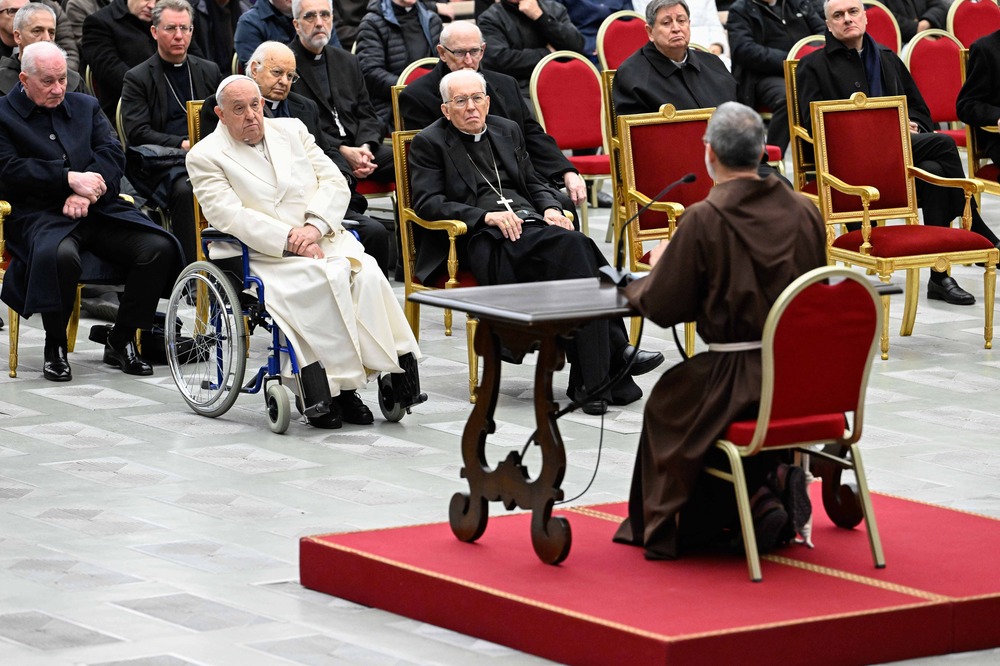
x: 509, y: 224
x: 88, y: 187
x: 303, y: 241
x: 360, y: 159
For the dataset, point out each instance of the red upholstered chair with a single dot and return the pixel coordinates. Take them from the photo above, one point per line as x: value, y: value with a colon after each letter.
x: 934, y: 60
x: 809, y: 396
x: 979, y: 165
x: 456, y: 276
x: 805, y: 46
x: 620, y: 35
x: 803, y: 164
x: 882, y: 25
x: 854, y: 187
x: 566, y: 92
x: 968, y: 20
x: 658, y: 149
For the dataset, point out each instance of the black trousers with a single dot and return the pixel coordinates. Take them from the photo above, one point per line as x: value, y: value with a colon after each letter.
x: 147, y: 259
x: 181, y: 208
x: 770, y: 92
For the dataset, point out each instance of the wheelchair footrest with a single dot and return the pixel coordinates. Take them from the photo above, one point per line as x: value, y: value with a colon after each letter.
x: 406, y: 386
x: 315, y: 390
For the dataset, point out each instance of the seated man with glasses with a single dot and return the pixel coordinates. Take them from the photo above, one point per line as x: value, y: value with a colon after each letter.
x: 465, y: 168
x: 272, y: 66
x: 154, y: 101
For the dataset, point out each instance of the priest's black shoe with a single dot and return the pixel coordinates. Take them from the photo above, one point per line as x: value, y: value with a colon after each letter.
x: 329, y: 421
x: 352, y: 410
x: 645, y: 361
x: 594, y: 407
x: 947, y: 290
x: 56, y: 367
x: 127, y: 358
x: 605, y: 200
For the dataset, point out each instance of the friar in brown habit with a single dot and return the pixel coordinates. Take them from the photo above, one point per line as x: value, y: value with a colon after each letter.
x: 730, y: 258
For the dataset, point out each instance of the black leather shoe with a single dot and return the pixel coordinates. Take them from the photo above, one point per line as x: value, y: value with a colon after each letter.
x: 352, y: 410
x: 329, y: 421
x: 645, y: 361
x: 605, y: 200
x: 947, y: 290
x: 594, y: 407
x: 56, y: 367
x: 127, y: 358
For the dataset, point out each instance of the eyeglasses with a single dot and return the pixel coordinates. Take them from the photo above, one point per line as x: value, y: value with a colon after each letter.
x: 292, y: 76
x: 853, y: 12
x: 240, y: 110
x: 463, y: 100
x: 171, y: 29
x: 310, y: 17
x: 461, y: 53
x: 681, y: 21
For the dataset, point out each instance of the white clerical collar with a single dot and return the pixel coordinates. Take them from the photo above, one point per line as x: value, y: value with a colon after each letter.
x: 273, y: 103
x: 318, y: 56
x: 478, y: 137
x: 680, y: 63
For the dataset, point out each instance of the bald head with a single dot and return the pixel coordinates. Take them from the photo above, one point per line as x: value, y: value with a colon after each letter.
x: 461, y: 46
x: 272, y: 66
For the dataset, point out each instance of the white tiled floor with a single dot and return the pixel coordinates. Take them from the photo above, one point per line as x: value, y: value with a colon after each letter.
x: 135, y: 532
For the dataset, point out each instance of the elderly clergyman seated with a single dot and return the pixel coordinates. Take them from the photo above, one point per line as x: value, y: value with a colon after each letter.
x: 265, y: 181
x: 466, y: 169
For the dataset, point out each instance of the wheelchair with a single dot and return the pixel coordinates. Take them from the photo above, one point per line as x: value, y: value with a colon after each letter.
x: 211, y: 314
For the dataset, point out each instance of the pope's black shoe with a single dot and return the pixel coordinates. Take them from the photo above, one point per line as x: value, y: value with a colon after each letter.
x: 56, y: 367
x: 947, y: 290
x: 645, y: 361
x: 127, y: 358
x: 329, y: 421
x: 352, y: 410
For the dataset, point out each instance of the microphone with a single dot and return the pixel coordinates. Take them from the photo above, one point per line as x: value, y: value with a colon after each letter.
x: 616, y: 275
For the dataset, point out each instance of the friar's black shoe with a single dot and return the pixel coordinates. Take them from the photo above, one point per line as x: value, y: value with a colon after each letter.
x: 352, y: 410
x: 127, y: 358
x: 947, y: 290
x: 56, y: 367
x: 645, y: 361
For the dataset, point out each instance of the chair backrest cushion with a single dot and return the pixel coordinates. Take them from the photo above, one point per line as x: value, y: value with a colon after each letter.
x: 622, y: 36
x: 936, y: 69
x: 569, y: 96
x: 882, y: 27
x: 969, y: 20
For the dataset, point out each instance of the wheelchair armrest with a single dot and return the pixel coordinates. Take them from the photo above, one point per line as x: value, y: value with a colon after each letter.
x: 210, y: 234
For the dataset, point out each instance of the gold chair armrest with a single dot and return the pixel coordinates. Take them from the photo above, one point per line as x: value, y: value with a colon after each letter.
x: 127, y: 197
x: 866, y: 192
x: 801, y: 133
x: 673, y: 210
x: 4, y: 210
x: 453, y: 227
x: 970, y: 185
x: 994, y: 129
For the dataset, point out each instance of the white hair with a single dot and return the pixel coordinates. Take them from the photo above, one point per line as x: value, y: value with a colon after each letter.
x: 454, y: 77
x: 32, y: 53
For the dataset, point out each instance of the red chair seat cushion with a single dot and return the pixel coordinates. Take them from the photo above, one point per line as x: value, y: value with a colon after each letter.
x: 902, y: 241
x: 366, y: 187
x: 773, y: 153
x: 989, y: 172
x: 784, y: 432
x: 465, y: 279
x: 591, y: 165
x: 958, y: 135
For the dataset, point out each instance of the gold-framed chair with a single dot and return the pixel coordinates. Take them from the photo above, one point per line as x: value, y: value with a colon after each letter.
x: 645, y: 139
x: 455, y: 277
x: 933, y: 58
x: 883, y: 26
x: 801, y: 144
x: 979, y: 166
x: 968, y: 20
x: 852, y: 187
x: 621, y: 34
x: 613, y: 150
x: 194, y: 135
x: 796, y: 412
x: 410, y: 73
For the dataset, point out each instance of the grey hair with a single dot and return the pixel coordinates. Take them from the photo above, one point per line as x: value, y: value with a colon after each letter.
x: 297, y: 7
x: 34, y: 52
x: 454, y: 77
x: 826, y: 8
x: 27, y: 13
x: 736, y: 134
x: 654, y: 7
x: 173, y: 5
x: 264, y: 49
x: 450, y: 29
x: 220, y: 92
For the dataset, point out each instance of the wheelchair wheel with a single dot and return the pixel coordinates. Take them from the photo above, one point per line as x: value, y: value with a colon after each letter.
x: 206, y: 339
x: 392, y: 409
x: 279, y: 411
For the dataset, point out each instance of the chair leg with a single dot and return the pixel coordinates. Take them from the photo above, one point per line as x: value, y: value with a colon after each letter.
x: 470, y: 335
x: 746, y: 518
x: 884, y: 337
x: 866, y: 507
x: 74, y: 322
x: 911, y: 298
x: 689, y: 330
x: 13, y: 328
x: 585, y: 217
x: 411, y: 311
x: 447, y: 321
x: 633, y: 330
x: 989, y: 293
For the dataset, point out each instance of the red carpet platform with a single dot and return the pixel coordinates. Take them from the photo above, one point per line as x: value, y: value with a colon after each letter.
x: 939, y: 593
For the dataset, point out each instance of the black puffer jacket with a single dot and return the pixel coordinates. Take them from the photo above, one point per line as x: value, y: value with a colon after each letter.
x: 381, y: 50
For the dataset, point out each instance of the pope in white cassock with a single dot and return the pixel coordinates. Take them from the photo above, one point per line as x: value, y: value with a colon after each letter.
x: 266, y: 182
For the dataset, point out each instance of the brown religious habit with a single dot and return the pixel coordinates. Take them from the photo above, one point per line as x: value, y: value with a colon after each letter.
x: 730, y: 258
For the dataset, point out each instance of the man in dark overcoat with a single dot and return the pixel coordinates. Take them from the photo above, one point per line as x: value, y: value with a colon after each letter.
x: 979, y: 100
x: 724, y: 267
x: 60, y: 169
x: 467, y: 169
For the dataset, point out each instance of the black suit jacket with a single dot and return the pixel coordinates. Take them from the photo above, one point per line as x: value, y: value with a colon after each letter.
x: 444, y: 187
x: 979, y: 99
x: 420, y: 105
x: 647, y: 80
x: 347, y: 86
x: 113, y: 42
x: 146, y: 99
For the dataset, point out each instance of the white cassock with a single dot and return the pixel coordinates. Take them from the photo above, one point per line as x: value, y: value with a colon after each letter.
x: 339, y: 309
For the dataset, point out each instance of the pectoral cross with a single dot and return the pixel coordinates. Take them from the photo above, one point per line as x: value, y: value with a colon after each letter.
x: 505, y: 202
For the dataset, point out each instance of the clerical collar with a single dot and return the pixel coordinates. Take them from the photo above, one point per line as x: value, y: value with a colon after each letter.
x: 318, y: 56
x: 680, y: 63
x: 473, y: 138
x: 273, y: 103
